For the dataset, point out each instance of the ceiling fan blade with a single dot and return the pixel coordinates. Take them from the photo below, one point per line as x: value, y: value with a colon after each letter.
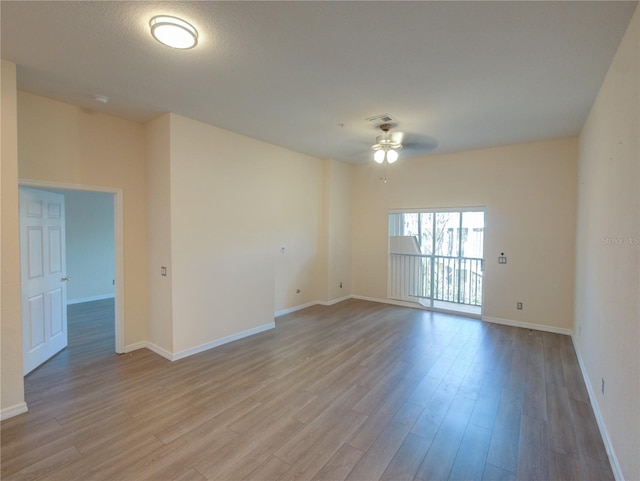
x: 418, y: 144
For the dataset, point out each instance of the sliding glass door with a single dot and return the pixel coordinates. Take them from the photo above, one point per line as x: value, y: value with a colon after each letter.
x: 436, y: 258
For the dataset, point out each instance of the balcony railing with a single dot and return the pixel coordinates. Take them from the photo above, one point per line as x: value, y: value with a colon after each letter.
x: 439, y: 278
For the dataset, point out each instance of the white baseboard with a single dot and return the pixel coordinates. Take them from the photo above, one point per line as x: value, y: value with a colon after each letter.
x: 151, y: 346
x: 528, y: 325
x: 218, y: 342
x: 171, y: 356
x: 89, y: 299
x: 135, y: 346
x: 613, y: 460
x: 12, y: 411
x: 494, y: 320
x: 392, y: 302
x: 289, y: 310
x: 159, y: 350
x: 333, y: 302
x: 414, y: 305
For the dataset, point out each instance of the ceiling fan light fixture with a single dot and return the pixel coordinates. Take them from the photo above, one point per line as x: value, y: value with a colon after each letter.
x: 379, y: 156
x: 173, y: 32
x: 387, y: 145
x: 385, y: 153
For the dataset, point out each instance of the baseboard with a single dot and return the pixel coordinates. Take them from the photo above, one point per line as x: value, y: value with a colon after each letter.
x: 613, y: 460
x: 414, y: 305
x: 174, y: 356
x: 151, y: 346
x: 289, y: 310
x: 528, y: 325
x: 218, y: 342
x: 12, y: 411
x: 332, y: 302
x: 392, y: 302
x: 90, y: 299
x: 159, y: 350
x: 135, y: 346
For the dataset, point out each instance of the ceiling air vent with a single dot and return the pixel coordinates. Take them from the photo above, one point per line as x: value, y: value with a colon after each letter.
x: 381, y: 119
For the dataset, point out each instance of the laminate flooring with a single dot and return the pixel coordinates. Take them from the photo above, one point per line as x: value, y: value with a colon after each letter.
x: 355, y: 391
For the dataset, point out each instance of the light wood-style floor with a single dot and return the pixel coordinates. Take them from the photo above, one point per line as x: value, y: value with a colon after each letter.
x: 356, y: 391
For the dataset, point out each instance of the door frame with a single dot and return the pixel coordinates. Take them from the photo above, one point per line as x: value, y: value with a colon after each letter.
x: 118, y: 217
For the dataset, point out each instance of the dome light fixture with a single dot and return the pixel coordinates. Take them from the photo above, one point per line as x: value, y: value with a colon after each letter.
x: 173, y: 32
x: 386, y: 146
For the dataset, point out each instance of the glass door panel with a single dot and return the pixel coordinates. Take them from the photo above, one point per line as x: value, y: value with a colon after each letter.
x: 435, y: 258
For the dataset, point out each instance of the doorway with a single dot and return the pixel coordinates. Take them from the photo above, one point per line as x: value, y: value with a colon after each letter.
x: 95, y: 265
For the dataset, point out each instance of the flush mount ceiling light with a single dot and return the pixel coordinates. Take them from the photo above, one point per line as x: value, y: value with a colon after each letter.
x: 173, y: 32
x: 387, y: 145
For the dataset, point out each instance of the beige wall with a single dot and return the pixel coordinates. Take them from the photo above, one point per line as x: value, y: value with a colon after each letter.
x: 338, y: 207
x: 61, y: 143
x: 608, y: 252
x: 334, y: 242
x: 159, y: 232
x: 235, y: 202
x: 12, y: 388
x: 529, y: 192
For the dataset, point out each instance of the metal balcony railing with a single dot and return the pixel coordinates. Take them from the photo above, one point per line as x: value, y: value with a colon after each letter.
x: 439, y: 278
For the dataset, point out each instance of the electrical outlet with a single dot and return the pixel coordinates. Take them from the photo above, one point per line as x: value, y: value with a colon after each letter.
x: 602, y: 386
x: 519, y: 306
x: 163, y: 271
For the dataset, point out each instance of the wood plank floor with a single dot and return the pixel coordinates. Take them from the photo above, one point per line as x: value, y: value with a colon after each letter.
x: 356, y: 391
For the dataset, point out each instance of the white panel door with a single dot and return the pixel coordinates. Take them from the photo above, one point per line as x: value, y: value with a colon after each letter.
x: 43, y: 279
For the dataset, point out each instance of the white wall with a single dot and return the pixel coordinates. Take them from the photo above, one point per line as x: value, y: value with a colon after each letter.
x: 607, y: 320
x: 529, y: 191
x: 90, y: 249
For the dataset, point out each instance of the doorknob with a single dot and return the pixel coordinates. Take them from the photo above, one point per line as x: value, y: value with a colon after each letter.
x: 65, y: 278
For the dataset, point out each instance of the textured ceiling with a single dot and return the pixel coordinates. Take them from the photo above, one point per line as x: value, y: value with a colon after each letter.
x: 306, y: 75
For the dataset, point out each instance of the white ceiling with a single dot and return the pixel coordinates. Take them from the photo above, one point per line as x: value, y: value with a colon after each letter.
x: 305, y: 75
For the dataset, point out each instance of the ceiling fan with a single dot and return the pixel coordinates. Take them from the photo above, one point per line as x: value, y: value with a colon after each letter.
x: 388, y: 144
